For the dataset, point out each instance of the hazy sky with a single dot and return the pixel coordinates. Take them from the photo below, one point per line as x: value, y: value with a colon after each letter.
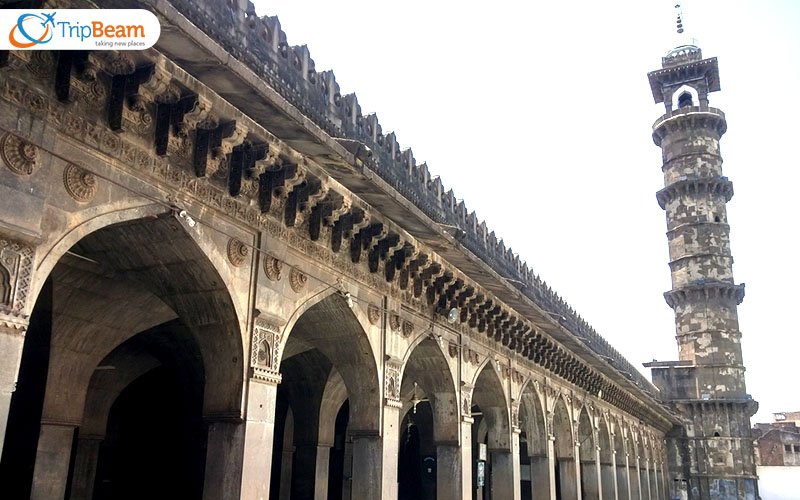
x: 539, y: 116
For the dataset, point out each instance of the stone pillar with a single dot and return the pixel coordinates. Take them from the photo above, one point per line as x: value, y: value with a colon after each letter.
x: 503, y: 479
x: 590, y: 480
x: 258, y: 436
x: 609, y: 474
x: 52, y: 460
x: 466, y: 454
x: 636, y: 493
x: 516, y: 476
x: 303, y: 471
x: 576, y: 465
x: 448, y: 471
x: 367, y: 465
x: 85, y: 468
x: 12, y: 339
x: 223, y: 475
x: 287, y: 460
x: 391, y: 448
x: 598, y: 473
x: 322, y: 470
x: 647, y: 479
x: 540, y: 478
x: 551, y: 464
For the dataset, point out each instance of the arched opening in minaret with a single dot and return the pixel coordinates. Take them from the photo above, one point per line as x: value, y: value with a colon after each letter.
x: 685, y: 99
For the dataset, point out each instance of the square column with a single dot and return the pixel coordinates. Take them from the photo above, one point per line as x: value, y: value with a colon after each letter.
x: 322, y: 471
x: 466, y: 456
x: 85, y: 469
x: 367, y: 465
x: 448, y: 471
x: 12, y: 339
x: 391, y: 448
x: 52, y: 460
x: 258, y: 436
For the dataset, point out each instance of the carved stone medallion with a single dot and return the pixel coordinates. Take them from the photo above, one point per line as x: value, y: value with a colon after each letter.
x: 408, y: 328
x: 79, y: 183
x: 297, y: 280
x: 394, y: 322
x: 21, y: 157
x: 237, y: 252
x: 373, y: 314
x: 272, y: 268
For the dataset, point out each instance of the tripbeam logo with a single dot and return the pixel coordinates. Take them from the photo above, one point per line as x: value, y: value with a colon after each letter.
x: 79, y: 29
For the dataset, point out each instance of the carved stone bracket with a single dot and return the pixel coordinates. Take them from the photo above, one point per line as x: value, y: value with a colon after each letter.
x: 515, y: 416
x: 391, y: 385
x: 466, y: 402
x: 265, y: 351
x: 16, y: 262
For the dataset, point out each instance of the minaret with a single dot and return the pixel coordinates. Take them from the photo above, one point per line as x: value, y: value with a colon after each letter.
x: 711, y: 455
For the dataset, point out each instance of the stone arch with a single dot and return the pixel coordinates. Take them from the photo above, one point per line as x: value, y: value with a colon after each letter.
x: 606, y: 456
x: 426, y: 364
x: 490, y: 408
x: 533, y: 422
x: 565, y: 474
x: 683, y: 95
x: 633, y: 462
x: 425, y: 371
x: 587, y: 455
x: 91, y: 220
x: 621, y: 459
x: 133, y: 274
x: 644, y: 466
x: 326, y: 358
x: 330, y: 326
x: 169, y: 262
x: 488, y: 393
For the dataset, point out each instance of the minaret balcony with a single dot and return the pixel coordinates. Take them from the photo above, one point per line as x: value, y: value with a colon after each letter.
x: 716, y: 186
x: 689, y: 118
x: 705, y: 290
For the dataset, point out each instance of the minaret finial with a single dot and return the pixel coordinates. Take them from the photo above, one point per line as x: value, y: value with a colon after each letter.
x: 679, y: 24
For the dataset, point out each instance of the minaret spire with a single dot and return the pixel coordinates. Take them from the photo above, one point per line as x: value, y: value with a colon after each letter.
x: 711, y: 456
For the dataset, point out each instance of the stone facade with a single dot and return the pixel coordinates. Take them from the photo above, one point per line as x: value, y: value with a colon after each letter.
x: 711, y: 455
x: 207, y: 251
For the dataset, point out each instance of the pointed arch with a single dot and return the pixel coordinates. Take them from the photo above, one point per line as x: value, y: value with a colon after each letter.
x: 606, y: 454
x: 684, y: 96
x: 588, y: 456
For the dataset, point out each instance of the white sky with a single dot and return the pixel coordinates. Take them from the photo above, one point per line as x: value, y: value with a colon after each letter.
x: 538, y: 115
